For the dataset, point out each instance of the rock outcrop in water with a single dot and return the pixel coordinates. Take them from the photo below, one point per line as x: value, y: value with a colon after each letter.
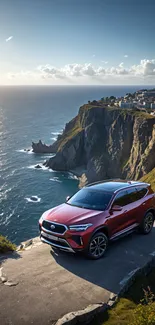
x: 39, y: 147
x: 107, y: 143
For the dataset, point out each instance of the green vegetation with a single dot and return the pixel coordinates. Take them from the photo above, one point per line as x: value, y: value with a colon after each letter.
x: 137, y: 307
x: 124, y: 111
x: 6, y: 245
x: 126, y: 313
x: 150, y: 178
x: 71, y: 133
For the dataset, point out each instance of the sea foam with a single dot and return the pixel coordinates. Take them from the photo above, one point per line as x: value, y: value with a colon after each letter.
x: 33, y: 198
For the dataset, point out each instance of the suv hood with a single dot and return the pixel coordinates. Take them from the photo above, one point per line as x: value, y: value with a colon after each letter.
x: 68, y: 214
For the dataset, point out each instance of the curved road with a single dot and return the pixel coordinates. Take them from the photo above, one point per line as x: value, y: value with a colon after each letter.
x: 49, y: 284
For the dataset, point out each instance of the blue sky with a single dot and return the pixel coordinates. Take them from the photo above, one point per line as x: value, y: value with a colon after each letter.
x: 77, y: 42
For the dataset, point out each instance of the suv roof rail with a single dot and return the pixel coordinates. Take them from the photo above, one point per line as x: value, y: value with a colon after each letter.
x: 104, y: 181
x: 117, y: 179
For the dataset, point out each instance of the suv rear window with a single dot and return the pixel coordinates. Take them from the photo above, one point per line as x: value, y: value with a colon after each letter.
x: 129, y: 196
x: 141, y: 192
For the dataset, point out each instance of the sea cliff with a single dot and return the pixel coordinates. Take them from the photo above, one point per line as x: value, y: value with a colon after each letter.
x: 106, y: 142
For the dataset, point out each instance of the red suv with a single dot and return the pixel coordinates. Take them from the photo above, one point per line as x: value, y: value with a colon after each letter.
x: 98, y: 213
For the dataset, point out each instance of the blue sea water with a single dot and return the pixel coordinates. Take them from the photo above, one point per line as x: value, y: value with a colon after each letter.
x: 28, y: 114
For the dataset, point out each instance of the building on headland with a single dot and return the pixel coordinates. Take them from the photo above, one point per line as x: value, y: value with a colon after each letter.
x: 152, y: 105
x: 125, y: 104
x: 146, y: 104
x: 149, y: 93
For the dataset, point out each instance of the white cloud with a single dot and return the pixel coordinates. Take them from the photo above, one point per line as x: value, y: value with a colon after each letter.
x: 145, y: 68
x: 126, y: 56
x: 93, y: 56
x: 105, y: 62
x: 76, y: 73
x: 9, y: 38
x: 121, y: 64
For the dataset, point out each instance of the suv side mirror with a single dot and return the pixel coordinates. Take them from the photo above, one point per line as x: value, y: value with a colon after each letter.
x: 67, y: 198
x: 116, y: 208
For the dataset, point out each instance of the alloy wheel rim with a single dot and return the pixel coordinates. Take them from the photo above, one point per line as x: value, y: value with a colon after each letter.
x: 98, y: 246
x: 148, y: 223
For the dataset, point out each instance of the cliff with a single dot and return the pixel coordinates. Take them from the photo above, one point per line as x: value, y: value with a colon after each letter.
x: 106, y: 143
x: 150, y: 178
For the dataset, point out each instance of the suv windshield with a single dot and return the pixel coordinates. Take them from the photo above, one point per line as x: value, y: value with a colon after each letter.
x: 91, y: 199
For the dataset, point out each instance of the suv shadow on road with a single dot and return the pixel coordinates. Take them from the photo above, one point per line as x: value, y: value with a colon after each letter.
x: 122, y: 257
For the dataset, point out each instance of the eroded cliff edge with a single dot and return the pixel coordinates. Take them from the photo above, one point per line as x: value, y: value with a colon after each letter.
x: 107, y: 143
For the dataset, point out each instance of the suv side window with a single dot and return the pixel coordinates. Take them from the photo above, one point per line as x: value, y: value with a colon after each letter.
x: 132, y: 195
x: 141, y: 192
x: 121, y: 199
x: 126, y: 197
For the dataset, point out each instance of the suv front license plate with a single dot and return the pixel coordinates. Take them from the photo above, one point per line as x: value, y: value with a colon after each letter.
x: 49, y: 236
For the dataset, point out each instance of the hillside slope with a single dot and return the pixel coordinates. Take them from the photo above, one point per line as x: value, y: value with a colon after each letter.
x: 150, y: 178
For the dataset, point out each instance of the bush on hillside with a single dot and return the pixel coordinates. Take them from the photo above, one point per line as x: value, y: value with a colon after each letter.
x: 6, y: 245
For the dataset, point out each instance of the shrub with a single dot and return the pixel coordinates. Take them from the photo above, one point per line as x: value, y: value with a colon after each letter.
x: 144, y: 313
x: 6, y: 245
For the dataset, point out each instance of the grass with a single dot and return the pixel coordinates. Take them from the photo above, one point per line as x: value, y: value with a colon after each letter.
x: 150, y: 178
x: 142, y: 282
x: 122, y: 111
x: 69, y: 135
x: 126, y: 312
x: 6, y: 245
x: 137, y: 307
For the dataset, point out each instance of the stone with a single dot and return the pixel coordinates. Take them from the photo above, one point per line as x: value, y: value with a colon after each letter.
x: 38, y: 166
x: 10, y: 283
x: 34, y: 198
x: 28, y: 243
x: 39, y: 147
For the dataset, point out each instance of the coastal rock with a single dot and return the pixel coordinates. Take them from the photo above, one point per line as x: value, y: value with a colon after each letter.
x: 39, y: 147
x: 108, y: 142
x: 27, y: 150
x: 34, y: 198
x: 38, y: 166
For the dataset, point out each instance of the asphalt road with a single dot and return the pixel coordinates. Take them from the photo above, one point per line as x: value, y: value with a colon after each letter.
x: 50, y: 284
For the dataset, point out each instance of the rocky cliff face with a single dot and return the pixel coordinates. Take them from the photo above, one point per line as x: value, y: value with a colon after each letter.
x: 107, y: 143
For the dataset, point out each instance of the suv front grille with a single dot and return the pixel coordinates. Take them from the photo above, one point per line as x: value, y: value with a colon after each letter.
x: 59, y: 229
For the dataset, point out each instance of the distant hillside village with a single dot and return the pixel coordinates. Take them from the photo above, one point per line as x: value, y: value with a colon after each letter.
x: 143, y: 100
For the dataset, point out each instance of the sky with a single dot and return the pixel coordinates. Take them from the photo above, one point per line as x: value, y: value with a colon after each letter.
x: 77, y: 42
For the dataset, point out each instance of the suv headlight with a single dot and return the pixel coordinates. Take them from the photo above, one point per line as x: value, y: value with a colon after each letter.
x: 80, y: 227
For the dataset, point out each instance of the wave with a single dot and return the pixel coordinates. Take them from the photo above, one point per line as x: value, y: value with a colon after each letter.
x: 42, y: 167
x: 7, y: 219
x: 33, y: 198
x: 54, y: 138
x: 55, y: 133
x: 55, y: 179
x: 72, y: 176
x: 25, y: 151
x: 10, y: 174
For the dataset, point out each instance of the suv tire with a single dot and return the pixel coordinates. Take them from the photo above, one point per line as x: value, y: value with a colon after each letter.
x: 147, y: 223
x: 97, y: 246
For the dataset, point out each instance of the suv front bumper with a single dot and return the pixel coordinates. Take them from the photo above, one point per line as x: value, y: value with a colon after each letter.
x: 55, y: 241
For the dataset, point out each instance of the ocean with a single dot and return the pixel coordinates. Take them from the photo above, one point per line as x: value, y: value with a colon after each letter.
x: 28, y: 114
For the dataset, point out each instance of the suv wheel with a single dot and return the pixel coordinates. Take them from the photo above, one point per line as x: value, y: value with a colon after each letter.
x: 97, y: 246
x: 147, y: 223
